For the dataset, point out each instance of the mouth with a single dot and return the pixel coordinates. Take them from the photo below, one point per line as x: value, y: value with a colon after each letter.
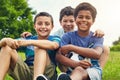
x: 43, y: 30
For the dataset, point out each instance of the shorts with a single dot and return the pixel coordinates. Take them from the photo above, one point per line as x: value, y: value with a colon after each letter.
x: 94, y: 73
x: 24, y: 72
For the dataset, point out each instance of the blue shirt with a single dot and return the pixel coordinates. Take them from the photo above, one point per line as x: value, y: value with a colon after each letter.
x: 29, y: 50
x: 88, y: 41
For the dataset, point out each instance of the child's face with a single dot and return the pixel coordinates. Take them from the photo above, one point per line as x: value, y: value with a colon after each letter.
x: 68, y: 23
x: 43, y: 26
x: 84, y: 20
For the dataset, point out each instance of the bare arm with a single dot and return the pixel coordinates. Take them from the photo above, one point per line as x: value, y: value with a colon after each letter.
x: 45, y: 44
x: 86, y: 52
x: 104, y: 56
x: 71, y: 63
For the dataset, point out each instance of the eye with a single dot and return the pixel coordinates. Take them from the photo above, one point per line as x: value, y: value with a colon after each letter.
x: 47, y: 23
x: 64, y: 20
x: 71, y: 21
x: 88, y: 17
x: 39, y: 23
x: 80, y: 17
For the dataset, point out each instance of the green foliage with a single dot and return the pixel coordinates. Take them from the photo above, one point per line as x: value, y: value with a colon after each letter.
x: 115, y: 47
x: 15, y: 17
x: 117, y: 41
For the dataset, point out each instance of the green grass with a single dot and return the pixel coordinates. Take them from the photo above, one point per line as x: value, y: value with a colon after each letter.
x: 111, y: 70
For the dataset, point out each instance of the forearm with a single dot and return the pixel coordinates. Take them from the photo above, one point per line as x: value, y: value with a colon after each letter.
x: 45, y: 44
x: 65, y: 60
x: 86, y: 52
x: 104, y: 56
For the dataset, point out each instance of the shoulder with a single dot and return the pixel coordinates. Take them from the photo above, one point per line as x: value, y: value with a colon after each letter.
x: 59, y: 32
x: 73, y: 33
x: 52, y: 38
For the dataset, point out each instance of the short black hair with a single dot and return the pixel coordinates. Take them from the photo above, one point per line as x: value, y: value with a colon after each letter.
x: 86, y: 6
x: 66, y: 11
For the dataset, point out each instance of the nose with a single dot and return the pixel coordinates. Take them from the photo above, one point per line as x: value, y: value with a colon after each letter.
x: 84, y: 19
x: 43, y: 26
x: 68, y: 23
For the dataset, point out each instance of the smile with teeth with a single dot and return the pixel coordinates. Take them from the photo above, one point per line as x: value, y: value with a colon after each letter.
x: 43, y: 30
x: 83, y: 24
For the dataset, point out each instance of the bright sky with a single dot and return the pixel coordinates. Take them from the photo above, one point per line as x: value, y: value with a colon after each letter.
x: 108, y: 14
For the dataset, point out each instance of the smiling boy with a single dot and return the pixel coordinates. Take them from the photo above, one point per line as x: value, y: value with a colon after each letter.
x: 78, y: 42
x: 40, y: 53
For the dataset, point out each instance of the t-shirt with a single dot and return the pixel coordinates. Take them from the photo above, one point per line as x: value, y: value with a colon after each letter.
x: 77, y: 40
x: 29, y: 50
x: 59, y: 32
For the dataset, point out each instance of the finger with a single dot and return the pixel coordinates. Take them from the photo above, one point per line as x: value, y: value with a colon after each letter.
x: 22, y: 35
x: 16, y: 44
x: 28, y: 34
x: 94, y: 34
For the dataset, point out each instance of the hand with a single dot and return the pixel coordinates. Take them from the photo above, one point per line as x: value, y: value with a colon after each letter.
x: 85, y: 64
x: 98, y: 33
x: 26, y: 34
x: 64, y: 49
x: 2, y: 42
x: 9, y: 42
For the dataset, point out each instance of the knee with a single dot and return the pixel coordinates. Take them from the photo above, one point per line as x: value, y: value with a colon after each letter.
x: 6, y: 49
x: 80, y: 69
x: 81, y: 74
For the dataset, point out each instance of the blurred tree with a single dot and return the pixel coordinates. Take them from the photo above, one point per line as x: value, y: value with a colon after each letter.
x: 117, y: 41
x: 116, y: 45
x: 15, y: 17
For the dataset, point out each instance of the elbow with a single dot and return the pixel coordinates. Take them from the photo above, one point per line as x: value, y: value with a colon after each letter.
x: 55, y: 46
x: 97, y: 53
x: 98, y: 56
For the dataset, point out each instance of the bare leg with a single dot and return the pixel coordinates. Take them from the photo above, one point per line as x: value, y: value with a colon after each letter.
x: 79, y: 74
x: 40, y: 62
x: 8, y: 58
x: 104, y: 57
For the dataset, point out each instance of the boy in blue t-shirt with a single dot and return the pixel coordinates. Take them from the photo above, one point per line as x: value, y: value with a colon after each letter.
x: 83, y: 43
x: 40, y: 53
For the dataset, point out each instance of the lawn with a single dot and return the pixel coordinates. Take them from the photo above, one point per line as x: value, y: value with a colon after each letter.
x: 111, y: 70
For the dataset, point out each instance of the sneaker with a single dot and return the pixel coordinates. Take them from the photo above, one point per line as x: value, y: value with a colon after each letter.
x: 42, y: 77
x: 63, y: 76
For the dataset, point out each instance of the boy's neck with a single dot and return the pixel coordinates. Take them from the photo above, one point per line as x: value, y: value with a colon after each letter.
x: 41, y: 38
x: 83, y: 34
